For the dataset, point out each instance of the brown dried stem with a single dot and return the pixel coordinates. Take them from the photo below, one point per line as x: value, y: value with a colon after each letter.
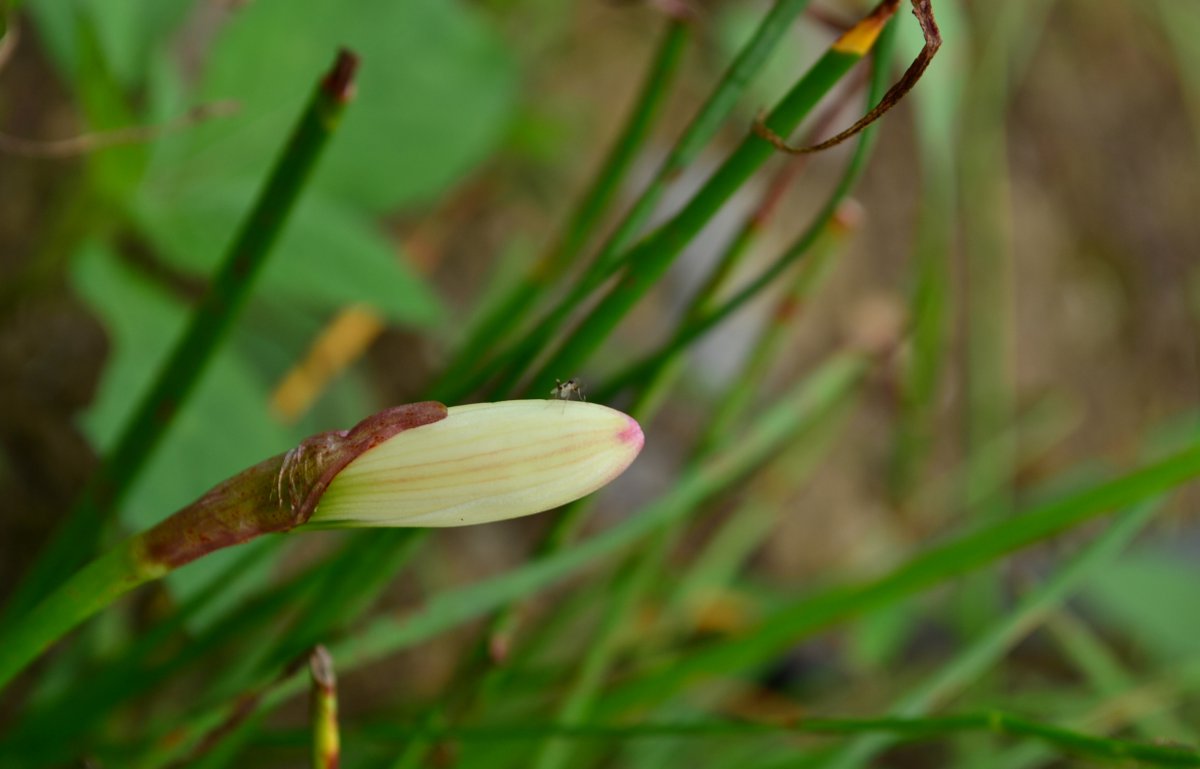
x: 923, y: 10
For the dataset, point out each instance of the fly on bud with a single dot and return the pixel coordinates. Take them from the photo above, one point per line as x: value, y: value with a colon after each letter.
x: 570, y: 390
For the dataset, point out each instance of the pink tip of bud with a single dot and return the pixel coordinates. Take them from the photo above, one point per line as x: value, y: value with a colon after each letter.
x: 632, y: 434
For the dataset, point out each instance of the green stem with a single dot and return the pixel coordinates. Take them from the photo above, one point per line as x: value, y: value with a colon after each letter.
x: 695, y: 329
x: 275, y: 495
x: 498, y: 324
x: 649, y: 260
x: 210, y: 322
x: 740, y: 394
x: 994, y: 722
x: 91, y: 589
x: 624, y: 596
x: 323, y: 709
x: 791, y: 623
x: 699, y: 132
x: 984, y: 652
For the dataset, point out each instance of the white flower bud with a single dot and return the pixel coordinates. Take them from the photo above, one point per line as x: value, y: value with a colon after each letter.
x: 483, y: 462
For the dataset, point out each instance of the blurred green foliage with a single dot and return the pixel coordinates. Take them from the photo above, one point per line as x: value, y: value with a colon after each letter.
x: 683, y: 611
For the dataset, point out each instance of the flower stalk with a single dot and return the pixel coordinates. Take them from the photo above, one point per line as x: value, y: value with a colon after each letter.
x: 415, y: 465
x: 228, y: 293
x: 323, y: 711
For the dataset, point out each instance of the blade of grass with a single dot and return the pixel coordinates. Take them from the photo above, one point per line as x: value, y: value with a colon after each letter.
x: 496, y: 327
x: 746, y: 528
x: 648, y: 261
x: 733, y: 404
x: 988, y: 297
x: 996, y: 641
x: 988, y: 268
x: 602, y: 647
x: 213, y: 317
x: 1109, y: 716
x: 936, y: 115
x: 994, y: 722
x: 699, y: 132
x: 965, y: 553
x: 693, y: 330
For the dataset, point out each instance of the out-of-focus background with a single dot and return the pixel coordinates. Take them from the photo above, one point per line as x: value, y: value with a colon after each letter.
x: 1027, y: 230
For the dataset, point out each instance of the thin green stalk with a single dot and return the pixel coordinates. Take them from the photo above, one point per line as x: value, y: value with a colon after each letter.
x: 996, y: 641
x: 989, y: 722
x: 130, y: 675
x: 1110, y: 715
x: 936, y: 116
x: 603, y: 645
x: 968, y: 552
x: 92, y: 588
x: 323, y: 711
x: 250, y: 504
x: 656, y: 389
x: 649, y: 260
x: 988, y: 296
x: 745, y: 528
x: 613, y: 255
x: 694, y: 330
x: 210, y: 322
x: 741, y: 392
x: 497, y: 325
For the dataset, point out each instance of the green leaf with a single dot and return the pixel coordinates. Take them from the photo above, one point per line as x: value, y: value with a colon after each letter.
x: 328, y: 256
x: 1150, y: 597
x: 130, y: 31
x: 433, y: 98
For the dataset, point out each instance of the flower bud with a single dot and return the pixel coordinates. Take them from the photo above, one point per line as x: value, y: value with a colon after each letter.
x: 483, y: 462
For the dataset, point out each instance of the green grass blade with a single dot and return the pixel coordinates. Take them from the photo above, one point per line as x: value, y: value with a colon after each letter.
x: 581, y: 227
x: 990, y: 722
x: 699, y: 133
x: 648, y: 261
x: 958, y: 556
x: 696, y: 328
x: 209, y: 325
x: 985, y: 651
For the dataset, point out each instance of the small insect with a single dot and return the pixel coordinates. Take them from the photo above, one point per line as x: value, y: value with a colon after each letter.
x: 570, y: 390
